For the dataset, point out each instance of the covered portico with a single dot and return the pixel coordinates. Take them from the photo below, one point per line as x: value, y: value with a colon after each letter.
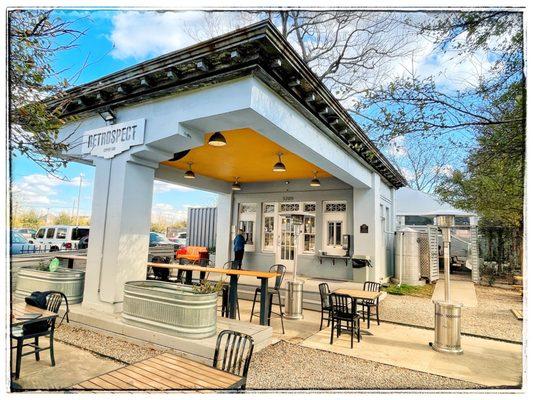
x: 153, y: 121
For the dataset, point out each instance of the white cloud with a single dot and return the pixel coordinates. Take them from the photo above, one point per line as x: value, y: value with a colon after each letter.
x: 446, y: 170
x: 396, y: 147
x: 167, y: 212
x: 42, y: 189
x: 407, y: 173
x: 164, y: 187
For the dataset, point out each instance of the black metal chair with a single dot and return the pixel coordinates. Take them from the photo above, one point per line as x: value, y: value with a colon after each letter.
x: 225, y: 294
x: 280, y: 269
x: 325, y: 305
x: 53, y: 302
x: 367, y: 305
x: 344, y: 309
x: 233, y: 353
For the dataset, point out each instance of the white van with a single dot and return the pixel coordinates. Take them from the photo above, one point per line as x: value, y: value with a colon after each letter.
x: 61, y: 237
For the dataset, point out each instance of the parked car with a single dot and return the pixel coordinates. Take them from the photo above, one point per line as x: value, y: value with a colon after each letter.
x: 180, y: 238
x: 20, y: 245
x: 158, y: 239
x: 26, y: 233
x: 61, y: 237
x: 83, y: 243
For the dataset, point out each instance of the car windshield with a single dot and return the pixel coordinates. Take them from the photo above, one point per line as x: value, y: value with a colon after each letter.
x: 157, y: 238
x: 17, y: 238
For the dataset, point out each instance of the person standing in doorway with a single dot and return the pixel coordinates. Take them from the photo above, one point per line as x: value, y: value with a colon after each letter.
x: 238, y: 248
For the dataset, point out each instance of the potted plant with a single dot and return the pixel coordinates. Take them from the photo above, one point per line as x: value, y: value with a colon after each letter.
x: 50, y: 276
x: 175, y: 309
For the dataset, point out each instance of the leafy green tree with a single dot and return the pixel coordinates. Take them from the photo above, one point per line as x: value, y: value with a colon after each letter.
x: 36, y: 36
x: 27, y: 219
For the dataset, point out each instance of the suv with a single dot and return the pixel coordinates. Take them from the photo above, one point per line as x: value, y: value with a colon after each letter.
x: 61, y: 237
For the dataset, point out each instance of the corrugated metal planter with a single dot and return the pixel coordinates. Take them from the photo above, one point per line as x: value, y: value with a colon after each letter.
x: 68, y: 281
x: 170, y: 308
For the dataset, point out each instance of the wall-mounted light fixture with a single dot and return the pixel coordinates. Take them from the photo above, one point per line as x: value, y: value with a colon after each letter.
x: 108, y: 115
x: 189, y: 174
x: 217, y: 139
x: 314, y: 182
x: 279, y: 166
x: 236, y: 185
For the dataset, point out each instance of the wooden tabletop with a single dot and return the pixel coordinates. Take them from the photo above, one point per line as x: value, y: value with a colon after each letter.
x: 358, y: 294
x: 216, y: 270
x: 19, y: 309
x: 72, y: 257
x: 164, y: 372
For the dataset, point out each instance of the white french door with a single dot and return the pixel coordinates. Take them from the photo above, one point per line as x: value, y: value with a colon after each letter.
x: 285, y: 251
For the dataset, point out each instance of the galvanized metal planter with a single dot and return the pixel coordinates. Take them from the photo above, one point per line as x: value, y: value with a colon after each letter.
x: 170, y: 308
x: 68, y: 281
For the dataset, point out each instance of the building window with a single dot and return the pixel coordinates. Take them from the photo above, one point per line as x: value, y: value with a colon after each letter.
x: 290, y: 207
x: 268, y: 227
x: 309, y: 234
x: 309, y: 207
x: 334, y: 227
x: 418, y: 220
x: 335, y: 207
x: 334, y: 233
x: 247, y: 216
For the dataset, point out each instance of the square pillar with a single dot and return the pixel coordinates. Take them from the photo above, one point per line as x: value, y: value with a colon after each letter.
x: 366, y: 212
x: 120, y: 229
x: 223, y: 238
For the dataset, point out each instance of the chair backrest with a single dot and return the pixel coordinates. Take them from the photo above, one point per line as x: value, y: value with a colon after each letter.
x: 53, y: 302
x: 323, y: 288
x: 280, y: 269
x: 228, y: 265
x: 235, y: 352
x: 341, y: 303
x: 372, y: 286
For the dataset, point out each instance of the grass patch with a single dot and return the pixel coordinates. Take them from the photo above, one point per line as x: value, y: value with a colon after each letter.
x: 410, y: 290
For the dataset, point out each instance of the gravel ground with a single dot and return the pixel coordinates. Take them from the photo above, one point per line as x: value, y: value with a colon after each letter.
x: 105, y: 345
x: 317, y: 369
x: 491, y: 318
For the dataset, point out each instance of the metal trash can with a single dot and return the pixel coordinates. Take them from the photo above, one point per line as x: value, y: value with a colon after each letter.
x: 447, y: 328
x: 294, y: 300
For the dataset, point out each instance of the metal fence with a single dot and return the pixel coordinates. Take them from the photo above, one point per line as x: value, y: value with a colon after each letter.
x: 201, y: 226
x: 42, y: 248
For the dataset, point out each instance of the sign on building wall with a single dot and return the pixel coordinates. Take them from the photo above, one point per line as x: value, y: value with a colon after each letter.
x: 111, y: 140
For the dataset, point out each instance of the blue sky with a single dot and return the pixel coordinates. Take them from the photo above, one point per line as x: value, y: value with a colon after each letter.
x: 34, y: 189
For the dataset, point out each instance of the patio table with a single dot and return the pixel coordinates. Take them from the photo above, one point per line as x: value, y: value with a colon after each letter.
x: 234, y: 274
x: 166, y: 371
x: 19, y: 309
x: 71, y: 258
x: 357, y: 294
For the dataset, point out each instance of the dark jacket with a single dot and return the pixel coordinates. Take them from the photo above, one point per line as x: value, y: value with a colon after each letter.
x: 238, y: 243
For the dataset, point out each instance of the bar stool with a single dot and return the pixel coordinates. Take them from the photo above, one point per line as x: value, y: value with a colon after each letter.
x: 224, y: 309
x: 280, y: 269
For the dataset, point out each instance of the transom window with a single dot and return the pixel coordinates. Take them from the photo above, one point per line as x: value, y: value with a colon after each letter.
x: 285, y: 207
x: 335, y: 207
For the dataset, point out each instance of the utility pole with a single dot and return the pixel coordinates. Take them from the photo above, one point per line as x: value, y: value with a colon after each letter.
x: 79, y: 196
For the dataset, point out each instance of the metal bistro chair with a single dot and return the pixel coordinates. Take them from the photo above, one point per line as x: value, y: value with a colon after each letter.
x: 53, y: 302
x: 344, y: 309
x: 369, y: 304
x: 225, y: 294
x: 280, y: 269
x: 325, y: 305
x: 236, y: 354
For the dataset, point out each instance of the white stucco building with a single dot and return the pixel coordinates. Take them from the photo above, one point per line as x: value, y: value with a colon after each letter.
x: 153, y: 121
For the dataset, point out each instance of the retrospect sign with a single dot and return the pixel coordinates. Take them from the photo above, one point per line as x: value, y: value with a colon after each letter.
x: 111, y: 140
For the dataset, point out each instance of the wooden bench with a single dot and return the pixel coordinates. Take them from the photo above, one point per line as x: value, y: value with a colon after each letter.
x: 166, y: 371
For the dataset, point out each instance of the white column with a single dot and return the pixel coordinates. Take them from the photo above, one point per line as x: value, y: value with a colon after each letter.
x: 120, y: 228
x: 223, y: 239
x: 366, y: 212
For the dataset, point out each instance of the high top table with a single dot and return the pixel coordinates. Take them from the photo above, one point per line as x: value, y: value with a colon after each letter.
x: 233, y: 282
x: 71, y: 258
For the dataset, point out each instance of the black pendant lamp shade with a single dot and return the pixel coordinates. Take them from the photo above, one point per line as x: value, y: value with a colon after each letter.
x: 217, y: 139
x: 279, y: 166
x: 189, y: 174
x: 236, y: 185
x: 314, y: 182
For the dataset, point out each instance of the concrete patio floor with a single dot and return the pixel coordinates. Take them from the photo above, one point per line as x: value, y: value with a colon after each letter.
x: 73, y: 365
x: 486, y: 362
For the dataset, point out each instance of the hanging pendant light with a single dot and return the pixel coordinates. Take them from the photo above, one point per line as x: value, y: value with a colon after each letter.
x: 236, y: 185
x: 217, y: 139
x: 189, y: 174
x: 279, y: 166
x: 314, y: 182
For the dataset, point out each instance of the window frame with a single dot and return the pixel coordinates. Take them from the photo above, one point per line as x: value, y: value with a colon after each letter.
x: 265, y: 215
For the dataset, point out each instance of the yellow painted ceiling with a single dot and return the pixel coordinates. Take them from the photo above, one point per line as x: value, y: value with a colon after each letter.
x: 248, y: 155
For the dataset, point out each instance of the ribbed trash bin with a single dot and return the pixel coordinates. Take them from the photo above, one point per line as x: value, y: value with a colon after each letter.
x: 294, y: 300
x: 447, y: 327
